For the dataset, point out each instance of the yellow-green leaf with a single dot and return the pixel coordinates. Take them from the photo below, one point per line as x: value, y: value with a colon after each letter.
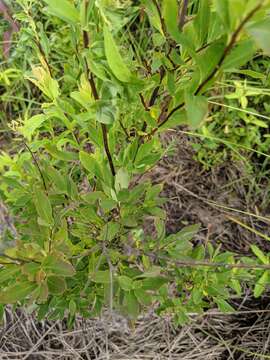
x: 17, y: 292
x: 114, y: 58
x: 64, y: 10
x: 57, y: 266
x: 261, y: 284
x: 170, y: 15
x: 43, y: 207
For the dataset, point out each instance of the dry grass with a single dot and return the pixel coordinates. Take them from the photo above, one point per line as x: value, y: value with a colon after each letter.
x: 213, y: 336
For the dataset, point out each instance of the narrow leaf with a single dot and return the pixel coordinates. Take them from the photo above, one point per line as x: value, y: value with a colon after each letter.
x: 260, y: 255
x: 114, y: 58
x: 261, y: 284
x: 170, y: 15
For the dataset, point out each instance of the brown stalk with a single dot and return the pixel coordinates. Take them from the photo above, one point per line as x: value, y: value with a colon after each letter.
x: 182, y: 14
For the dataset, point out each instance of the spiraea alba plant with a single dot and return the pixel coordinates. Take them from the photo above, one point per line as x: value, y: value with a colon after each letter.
x: 111, y: 76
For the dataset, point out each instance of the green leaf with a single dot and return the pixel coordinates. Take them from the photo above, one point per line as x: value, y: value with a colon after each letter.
x: 105, y: 112
x: 64, y: 10
x: 260, y: 31
x: 43, y: 207
x: 59, y: 181
x: 9, y: 273
x: 56, y: 285
x: 132, y: 305
x: 125, y: 283
x: 197, y: 109
x: 201, y: 22
x: 53, y: 265
x: 236, y: 286
x: 17, y: 292
x: 170, y: 15
x: 153, y: 283
x: 223, y: 305
x: 72, y: 307
x: 239, y: 55
x: 261, y: 284
x: 31, y: 125
x: 90, y: 163
x: 222, y: 8
x: 209, y: 58
x: 121, y: 179
x: 153, y: 15
x: 43, y: 80
x: 114, y: 58
x: 101, y: 277
x: 143, y: 297
x: 260, y: 255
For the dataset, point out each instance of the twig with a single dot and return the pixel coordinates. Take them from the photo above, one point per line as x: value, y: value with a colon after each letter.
x: 194, y: 263
x: 37, y: 165
x: 160, y: 16
x: 229, y: 47
x: 182, y: 14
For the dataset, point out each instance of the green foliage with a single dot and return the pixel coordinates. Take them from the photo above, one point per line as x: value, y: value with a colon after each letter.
x: 75, y: 188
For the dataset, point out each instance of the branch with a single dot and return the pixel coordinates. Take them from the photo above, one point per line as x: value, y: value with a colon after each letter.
x: 182, y: 15
x: 196, y: 264
x: 37, y: 165
x: 229, y: 47
x: 160, y: 16
x: 96, y: 97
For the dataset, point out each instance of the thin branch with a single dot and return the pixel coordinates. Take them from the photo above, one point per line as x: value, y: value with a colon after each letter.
x: 229, y: 47
x: 154, y: 95
x: 37, y: 165
x: 107, y: 149
x: 146, y: 108
x: 195, y: 263
x: 182, y: 14
x: 160, y: 16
